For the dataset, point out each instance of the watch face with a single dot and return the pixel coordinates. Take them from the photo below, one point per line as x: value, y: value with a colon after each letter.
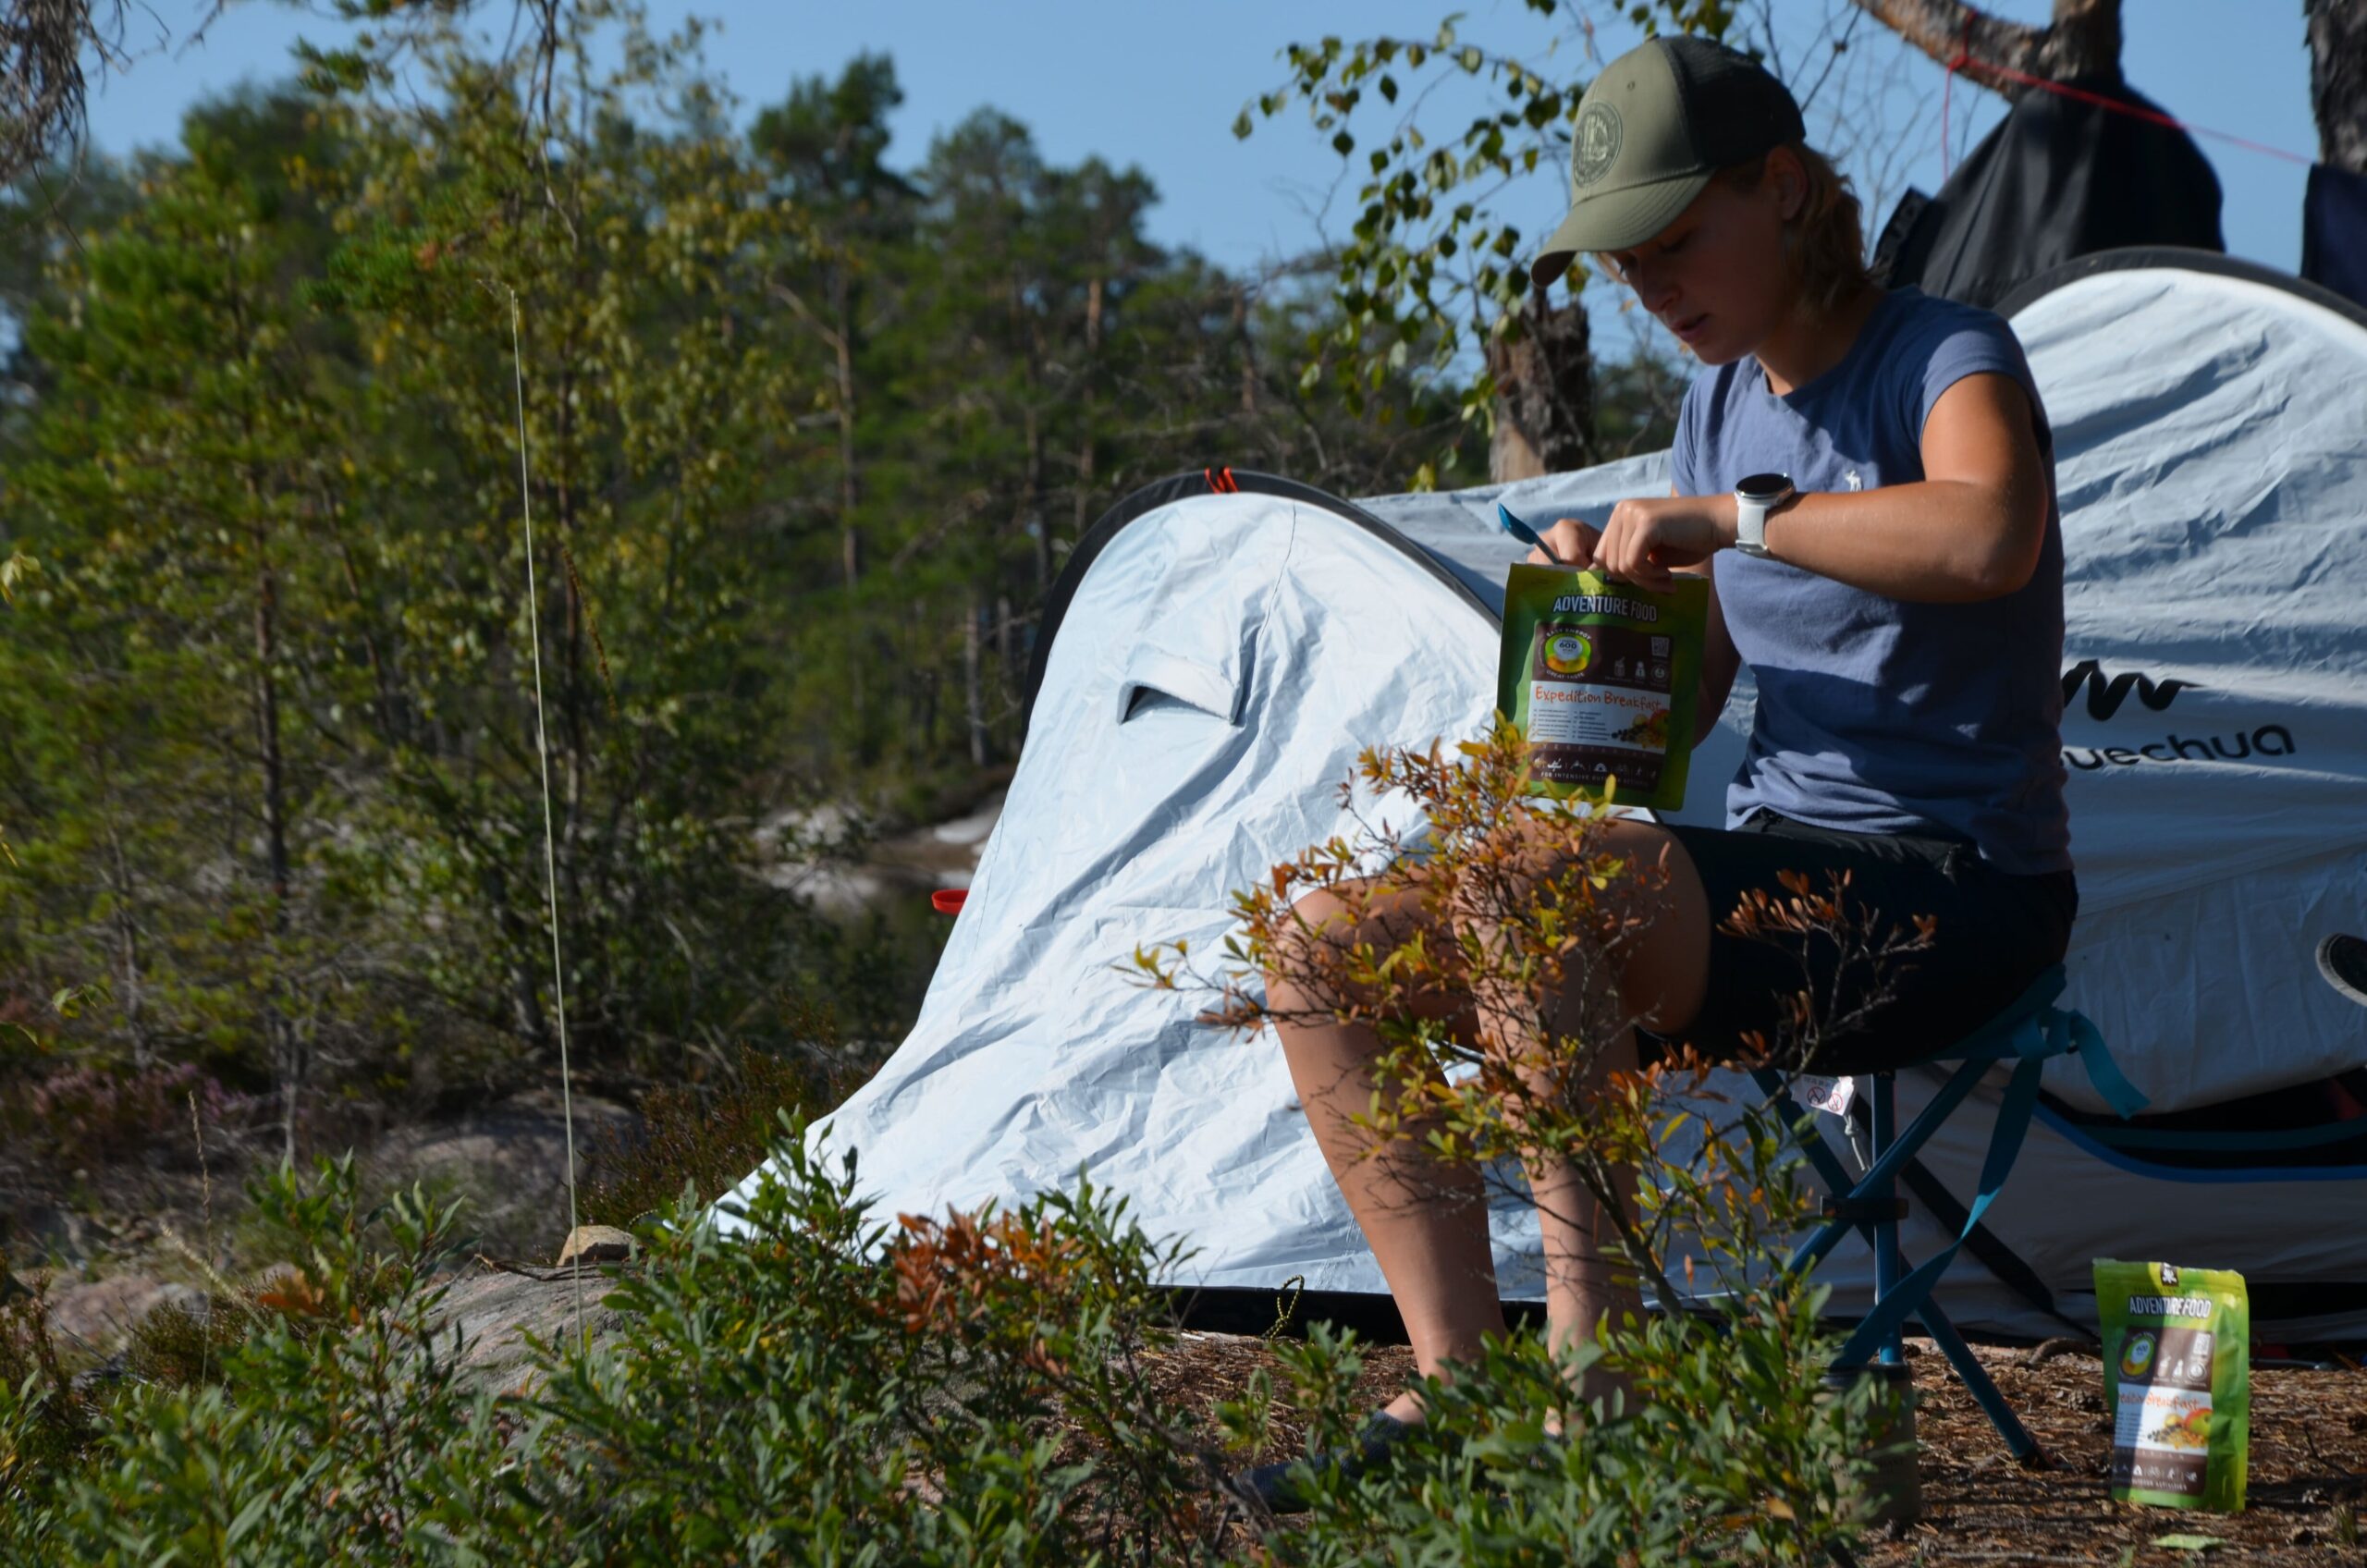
x: 1764, y: 486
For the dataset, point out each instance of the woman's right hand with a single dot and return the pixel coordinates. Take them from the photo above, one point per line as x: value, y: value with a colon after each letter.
x: 1572, y: 541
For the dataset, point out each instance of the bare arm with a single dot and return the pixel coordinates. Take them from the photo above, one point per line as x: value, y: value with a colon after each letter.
x: 1574, y: 543
x: 1970, y: 528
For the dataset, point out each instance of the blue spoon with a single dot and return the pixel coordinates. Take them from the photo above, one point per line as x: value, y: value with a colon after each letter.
x: 1524, y: 534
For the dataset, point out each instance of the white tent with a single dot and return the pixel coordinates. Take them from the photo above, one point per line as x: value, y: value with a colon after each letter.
x: 1215, y: 657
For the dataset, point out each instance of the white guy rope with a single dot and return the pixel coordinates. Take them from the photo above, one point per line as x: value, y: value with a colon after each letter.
x: 550, y: 843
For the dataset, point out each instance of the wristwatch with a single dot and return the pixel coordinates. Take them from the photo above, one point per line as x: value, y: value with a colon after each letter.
x: 1754, y: 498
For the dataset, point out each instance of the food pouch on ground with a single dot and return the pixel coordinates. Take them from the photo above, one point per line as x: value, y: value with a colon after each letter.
x: 2178, y: 1382
x: 1601, y: 677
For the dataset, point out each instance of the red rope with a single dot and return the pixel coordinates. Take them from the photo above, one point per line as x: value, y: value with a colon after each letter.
x: 1964, y: 61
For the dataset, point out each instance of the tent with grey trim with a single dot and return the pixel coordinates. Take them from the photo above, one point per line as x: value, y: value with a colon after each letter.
x: 1219, y: 651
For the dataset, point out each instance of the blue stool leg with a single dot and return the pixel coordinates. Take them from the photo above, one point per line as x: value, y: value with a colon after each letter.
x: 1888, y: 1271
x: 1876, y: 1194
x: 1977, y: 1381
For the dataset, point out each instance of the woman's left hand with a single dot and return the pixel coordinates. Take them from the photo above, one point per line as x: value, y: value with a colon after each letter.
x: 1646, y: 537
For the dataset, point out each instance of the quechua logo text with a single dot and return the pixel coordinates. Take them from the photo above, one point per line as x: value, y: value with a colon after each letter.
x: 2105, y: 695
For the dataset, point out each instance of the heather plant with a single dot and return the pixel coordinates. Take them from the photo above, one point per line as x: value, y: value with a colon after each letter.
x: 92, y: 1114
x: 179, y: 1344
x: 1707, y: 1436
x: 706, y: 1135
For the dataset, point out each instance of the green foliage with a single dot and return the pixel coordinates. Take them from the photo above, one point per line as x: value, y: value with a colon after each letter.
x: 817, y: 1389
x: 16, y: 571
x: 340, y: 1430
x: 823, y: 1387
x: 808, y: 432
x: 1434, y: 269
x: 1728, y: 1454
x: 905, y: 1410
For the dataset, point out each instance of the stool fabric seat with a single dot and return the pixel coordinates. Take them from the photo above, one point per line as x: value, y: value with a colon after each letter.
x: 2026, y: 1033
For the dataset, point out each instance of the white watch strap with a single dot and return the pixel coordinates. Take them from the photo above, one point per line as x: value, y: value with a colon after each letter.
x: 1751, y: 526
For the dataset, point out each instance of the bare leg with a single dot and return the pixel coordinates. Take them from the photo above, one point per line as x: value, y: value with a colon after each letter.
x: 1427, y: 1224
x: 1660, y: 979
x: 1584, y: 1283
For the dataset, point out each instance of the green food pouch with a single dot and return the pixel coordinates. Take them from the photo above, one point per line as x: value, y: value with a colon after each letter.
x: 1601, y: 677
x: 2178, y: 1380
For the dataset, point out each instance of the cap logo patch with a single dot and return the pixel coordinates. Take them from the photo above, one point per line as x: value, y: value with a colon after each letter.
x: 1596, y: 144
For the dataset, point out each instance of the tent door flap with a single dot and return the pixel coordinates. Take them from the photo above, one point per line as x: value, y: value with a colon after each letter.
x: 1196, y: 685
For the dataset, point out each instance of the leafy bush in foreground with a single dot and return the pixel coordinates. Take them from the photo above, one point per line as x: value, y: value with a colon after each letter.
x: 340, y: 1429
x: 820, y: 1389
x: 817, y: 1388
x: 829, y: 1386
x: 826, y: 1388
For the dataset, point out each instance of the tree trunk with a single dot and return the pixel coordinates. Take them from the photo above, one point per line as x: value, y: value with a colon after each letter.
x: 275, y: 770
x: 286, y: 1047
x: 132, y: 996
x: 1544, y: 394
x: 527, y: 1019
x: 842, y: 305
x: 1248, y: 351
x: 2337, y: 31
x: 1085, y: 405
x: 973, y: 689
x: 1031, y: 500
x: 2082, y: 38
x: 571, y: 610
x: 277, y: 1030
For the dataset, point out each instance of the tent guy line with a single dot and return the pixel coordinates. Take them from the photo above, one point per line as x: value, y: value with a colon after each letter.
x: 543, y: 750
x: 1970, y: 65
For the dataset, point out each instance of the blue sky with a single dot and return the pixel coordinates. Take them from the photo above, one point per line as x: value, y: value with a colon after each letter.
x: 1159, y: 85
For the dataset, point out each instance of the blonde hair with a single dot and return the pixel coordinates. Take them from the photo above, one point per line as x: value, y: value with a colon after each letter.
x: 1827, y: 234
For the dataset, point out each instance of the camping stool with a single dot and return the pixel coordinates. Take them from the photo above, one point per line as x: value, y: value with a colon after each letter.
x: 2026, y: 1034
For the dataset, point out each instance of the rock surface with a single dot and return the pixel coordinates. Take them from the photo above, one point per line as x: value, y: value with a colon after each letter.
x: 101, y: 1315
x: 597, y: 1243
x: 495, y: 1312
x: 508, y: 1160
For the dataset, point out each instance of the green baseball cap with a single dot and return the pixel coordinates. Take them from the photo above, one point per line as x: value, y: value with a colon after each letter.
x: 1651, y: 130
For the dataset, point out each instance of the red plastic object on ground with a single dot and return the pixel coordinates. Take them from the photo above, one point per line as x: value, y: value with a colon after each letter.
x: 949, y: 901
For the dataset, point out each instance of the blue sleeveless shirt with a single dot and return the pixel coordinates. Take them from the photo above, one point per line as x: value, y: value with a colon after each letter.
x: 1877, y: 716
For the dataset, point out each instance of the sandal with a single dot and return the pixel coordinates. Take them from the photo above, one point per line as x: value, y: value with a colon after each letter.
x: 1274, y: 1488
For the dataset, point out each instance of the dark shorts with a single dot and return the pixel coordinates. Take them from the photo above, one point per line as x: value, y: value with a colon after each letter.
x: 1996, y: 933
